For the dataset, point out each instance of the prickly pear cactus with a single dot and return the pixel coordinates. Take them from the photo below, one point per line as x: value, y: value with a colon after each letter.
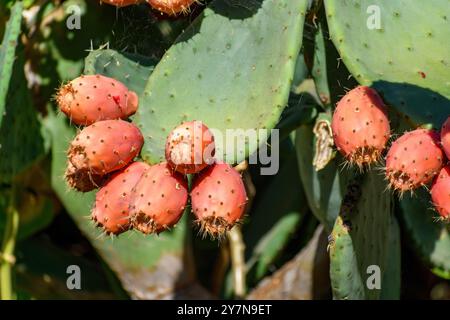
x: 361, y: 238
x: 382, y: 45
x: 243, y: 82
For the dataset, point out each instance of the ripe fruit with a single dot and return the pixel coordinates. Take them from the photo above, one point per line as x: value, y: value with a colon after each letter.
x: 122, y: 3
x: 190, y: 147
x: 445, y: 137
x: 360, y: 126
x: 414, y: 159
x: 171, y: 7
x: 105, y: 146
x: 83, y: 181
x: 440, y: 194
x: 112, y: 201
x: 218, y: 199
x: 92, y: 98
x: 159, y: 199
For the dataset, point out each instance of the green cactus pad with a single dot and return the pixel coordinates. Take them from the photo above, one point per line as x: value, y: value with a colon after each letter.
x: 8, y: 52
x: 132, y: 70
x: 406, y: 59
x: 360, y: 238
x: 391, y: 284
x: 430, y: 238
x: 232, y: 69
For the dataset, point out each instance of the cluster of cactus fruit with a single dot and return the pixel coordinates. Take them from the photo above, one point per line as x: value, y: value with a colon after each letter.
x: 361, y: 132
x: 168, y: 7
x: 134, y: 194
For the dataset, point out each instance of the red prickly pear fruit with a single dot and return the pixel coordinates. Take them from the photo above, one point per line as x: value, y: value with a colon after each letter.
x: 218, y: 199
x: 105, y: 146
x: 92, y: 98
x: 440, y: 194
x: 122, y: 3
x: 190, y: 147
x: 112, y: 202
x: 83, y: 181
x: 445, y: 137
x: 171, y: 7
x: 414, y: 159
x: 360, y: 126
x: 159, y: 199
x: 443, y: 174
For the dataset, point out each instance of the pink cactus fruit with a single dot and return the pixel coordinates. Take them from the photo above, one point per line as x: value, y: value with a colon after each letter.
x: 190, y: 147
x: 218, y: 199
x: 105, y: 146
x: 159, y: 199
x: 112, y: 202
x: 92, y: 98
x: 413, y: 160
x: 360, y: 126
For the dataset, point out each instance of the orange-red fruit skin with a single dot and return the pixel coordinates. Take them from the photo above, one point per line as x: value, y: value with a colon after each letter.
x: 91, y: 98
x: 159, y: 199
x: 414, y: 159
x: 218, y: 199
x: 440, y: 193
x: 122, y: 3
x: 171, y: 7
x: 445, y: 137
x: 105, y: 146
x: 190, y: 147
x: 360, y: 126
x: 112, y: 201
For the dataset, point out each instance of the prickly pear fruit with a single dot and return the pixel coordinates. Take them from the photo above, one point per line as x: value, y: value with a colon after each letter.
x: 445, y: 137
x: 112, y: 201
x: 122, y: 3
x: 171, y: 7
x: 360, y: 126
x: 414, y: 159
x: 92, y: 98
x: 190, y: 147
x: 83, y: 181
x: 158, y: 200
x: 218, y: 199
x: 105, y: 146
x: 440, y: 194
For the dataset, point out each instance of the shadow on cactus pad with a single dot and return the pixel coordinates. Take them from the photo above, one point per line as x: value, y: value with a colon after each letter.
x: 419, y: 104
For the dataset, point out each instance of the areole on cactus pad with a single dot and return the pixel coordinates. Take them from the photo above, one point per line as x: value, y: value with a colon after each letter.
x: 159, y: 199
x: 414, y: 159
x: 360, y: 126
x: 112, y: 202
x: 92, y: 98
x: 218, y: 199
